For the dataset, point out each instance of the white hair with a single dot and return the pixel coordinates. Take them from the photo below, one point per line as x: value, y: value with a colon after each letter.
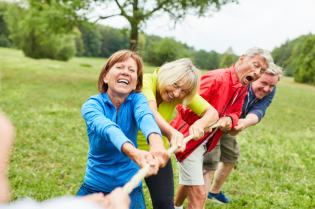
x: 172, y: 72
x: 262, y: 52
x: 275, y: 70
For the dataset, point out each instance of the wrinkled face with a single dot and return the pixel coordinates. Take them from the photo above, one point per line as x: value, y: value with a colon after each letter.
x: 174, y: 91
x: 122, y: 77
x: 264, y: 85
x: 250, y: 70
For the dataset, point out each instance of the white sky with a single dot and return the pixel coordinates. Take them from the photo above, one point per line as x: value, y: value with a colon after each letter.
x: 262, y: 23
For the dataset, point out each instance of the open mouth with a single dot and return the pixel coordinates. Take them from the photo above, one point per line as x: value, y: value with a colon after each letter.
x: 249, y: 79
x: 123, y: 81
x: 169, y: 95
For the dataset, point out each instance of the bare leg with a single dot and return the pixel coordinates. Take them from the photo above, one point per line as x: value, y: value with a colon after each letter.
x: 220, y: 176
x: 208, y: 177
x: 180, y: 195
x: 196, y: 197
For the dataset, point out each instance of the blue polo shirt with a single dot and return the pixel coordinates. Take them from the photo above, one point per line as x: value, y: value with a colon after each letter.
x: 256, y: 106
x: 107, y: 166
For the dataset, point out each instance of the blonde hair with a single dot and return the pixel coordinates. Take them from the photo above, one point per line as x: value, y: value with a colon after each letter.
x: 275, y: 70
x: 172, y: 72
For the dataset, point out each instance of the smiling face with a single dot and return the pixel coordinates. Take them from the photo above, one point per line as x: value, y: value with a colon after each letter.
x: 250, y: 70
x: 174, y: 91
x: 122, y: 78
x: 264, y: 85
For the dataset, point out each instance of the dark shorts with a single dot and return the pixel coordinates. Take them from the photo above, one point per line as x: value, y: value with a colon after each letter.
x: 136, y: 196
x: 227, y: 150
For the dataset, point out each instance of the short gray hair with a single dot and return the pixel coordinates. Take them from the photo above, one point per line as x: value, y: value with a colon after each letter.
x: 262, y: 52
x: 275, y: 70
x: 172, y: 72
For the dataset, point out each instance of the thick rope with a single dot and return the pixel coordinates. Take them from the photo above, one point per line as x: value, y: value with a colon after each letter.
x: 133, y: 183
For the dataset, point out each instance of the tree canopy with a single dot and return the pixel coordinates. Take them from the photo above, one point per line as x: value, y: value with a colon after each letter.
x: 65, y: 14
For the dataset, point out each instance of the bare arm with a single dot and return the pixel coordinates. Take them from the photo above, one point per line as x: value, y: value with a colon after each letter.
x: 6, y: 141
x: 208, y: 118
x: 251, y: 119
x: 167, y: 130
x: 140, y: 157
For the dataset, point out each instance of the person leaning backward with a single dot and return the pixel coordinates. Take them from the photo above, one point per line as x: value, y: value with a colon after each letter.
x: 112, y: 119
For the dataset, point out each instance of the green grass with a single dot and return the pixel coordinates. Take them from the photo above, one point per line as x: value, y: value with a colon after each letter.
x: 44, y: 97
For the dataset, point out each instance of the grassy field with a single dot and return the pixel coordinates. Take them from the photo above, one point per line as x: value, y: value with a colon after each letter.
x: 44, y: 97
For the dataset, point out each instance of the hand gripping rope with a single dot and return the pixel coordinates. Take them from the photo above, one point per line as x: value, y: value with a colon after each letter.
x: 145, y: 170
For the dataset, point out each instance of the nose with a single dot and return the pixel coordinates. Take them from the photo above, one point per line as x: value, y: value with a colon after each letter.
x: 125, y: 71
x: 176, y: 92
x: 267, y: 89
x: 257, y: 74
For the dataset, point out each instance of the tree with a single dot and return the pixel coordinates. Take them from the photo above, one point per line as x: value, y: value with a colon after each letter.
x: 207, y: 60
x: 228, y: 59
x: 166, y: 50
x: 65, y: 14
x: 305, y: 66
x: 288, y: 53
x: 33, y: 43
x: 4, y: 32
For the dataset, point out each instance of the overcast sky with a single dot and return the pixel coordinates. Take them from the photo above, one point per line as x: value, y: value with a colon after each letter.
x: 262, y: 23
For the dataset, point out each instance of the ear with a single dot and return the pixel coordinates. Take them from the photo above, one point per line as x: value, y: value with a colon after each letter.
x: 241, y: 59
x: 105, y: 79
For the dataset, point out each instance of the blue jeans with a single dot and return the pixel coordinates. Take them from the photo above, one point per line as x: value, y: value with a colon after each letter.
x: 136, y: 196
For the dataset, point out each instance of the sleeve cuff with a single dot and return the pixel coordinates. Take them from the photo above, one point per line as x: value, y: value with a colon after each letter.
x: 259, y: 114
x: 117, y: 137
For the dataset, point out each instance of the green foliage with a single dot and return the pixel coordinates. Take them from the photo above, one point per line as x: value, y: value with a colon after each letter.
x: 64, y: 15
x: 4, y: 32
x: 166, y: 50
x: 287, y: 54
x: 305, y: 66
x: 207, y: 60
x: 275, y: 169
x: 228, y: 59
x: 35, y: 42
x: 91, y: 38
x: 112, y: 40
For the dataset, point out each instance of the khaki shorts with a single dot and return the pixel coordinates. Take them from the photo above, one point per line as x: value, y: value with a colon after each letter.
x: 227, y: 150
x: 190, y: 170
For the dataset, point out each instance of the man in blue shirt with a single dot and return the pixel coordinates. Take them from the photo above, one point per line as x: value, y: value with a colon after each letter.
x: 259, y: 97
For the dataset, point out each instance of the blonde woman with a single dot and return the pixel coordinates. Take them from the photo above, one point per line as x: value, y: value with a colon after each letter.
x: 174, y: 83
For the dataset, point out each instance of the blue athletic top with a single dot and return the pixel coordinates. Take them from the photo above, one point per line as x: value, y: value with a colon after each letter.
x: 107, y: 166
x: 255, y: 105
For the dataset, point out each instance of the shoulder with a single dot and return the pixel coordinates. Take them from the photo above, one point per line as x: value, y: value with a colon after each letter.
x: 137, y: 96
x: 217, y: 76
x: 98, y: 98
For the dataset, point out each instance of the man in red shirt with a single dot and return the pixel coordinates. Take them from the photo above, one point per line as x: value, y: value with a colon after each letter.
x: 225, y: 90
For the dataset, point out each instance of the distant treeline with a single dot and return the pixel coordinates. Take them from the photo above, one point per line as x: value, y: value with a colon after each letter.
x: 19, y: 28
x: 297, y: 57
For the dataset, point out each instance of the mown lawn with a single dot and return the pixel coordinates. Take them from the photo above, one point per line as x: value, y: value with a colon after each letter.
x: 44, y: 97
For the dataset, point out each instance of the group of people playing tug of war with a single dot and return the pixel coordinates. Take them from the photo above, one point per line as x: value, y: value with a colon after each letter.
x: 128, y: 126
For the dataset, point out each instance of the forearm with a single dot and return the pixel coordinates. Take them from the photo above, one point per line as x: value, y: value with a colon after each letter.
x: 164, y: 126
x: 6, y: 141
x: 251, y: 119
x: 129, y: 150
x: 166, y: 129
x: 155, y: 140
x: 208, y: 117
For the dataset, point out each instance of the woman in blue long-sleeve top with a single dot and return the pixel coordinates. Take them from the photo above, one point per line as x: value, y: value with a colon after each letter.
x: 112, y: 119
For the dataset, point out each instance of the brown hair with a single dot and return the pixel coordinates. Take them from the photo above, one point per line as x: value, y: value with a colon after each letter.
x: 117, y: 57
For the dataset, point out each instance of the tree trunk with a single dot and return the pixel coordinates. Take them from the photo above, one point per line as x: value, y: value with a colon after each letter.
x: 134, y: 27
x: 134, y: 36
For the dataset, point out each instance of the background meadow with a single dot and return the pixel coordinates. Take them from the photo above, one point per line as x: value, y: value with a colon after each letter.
x: 43, y: 98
